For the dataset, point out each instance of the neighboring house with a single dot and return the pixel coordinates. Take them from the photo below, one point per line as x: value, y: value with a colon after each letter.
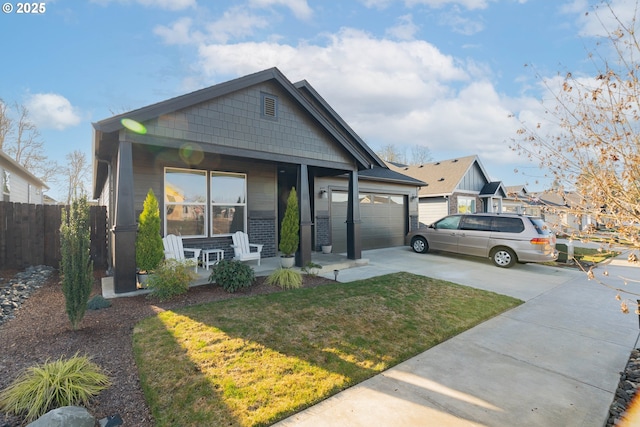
x: 224, y: 159
x: 17, y: 184
x: 454, y: 186
x: 560, y: 209
x: 519, y: 200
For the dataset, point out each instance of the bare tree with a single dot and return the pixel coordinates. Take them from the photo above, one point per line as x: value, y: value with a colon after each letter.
x: 20, y: 139
x: 5, y: 123
x: 420, y: 155
x: 391, y: 153
x: 589, y: 140
x: 76, y: 174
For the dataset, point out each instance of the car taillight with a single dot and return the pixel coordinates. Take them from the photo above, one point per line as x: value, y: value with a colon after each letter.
x: 540, y: 241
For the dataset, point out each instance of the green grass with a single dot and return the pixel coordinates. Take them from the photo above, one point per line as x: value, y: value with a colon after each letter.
x: 593, y: 255
x: 253, y: 361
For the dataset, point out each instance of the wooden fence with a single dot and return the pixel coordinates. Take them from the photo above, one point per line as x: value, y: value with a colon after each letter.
x: 30, y: 235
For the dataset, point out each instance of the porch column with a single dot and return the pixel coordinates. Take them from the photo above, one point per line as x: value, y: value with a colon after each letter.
x: 124, y: 228
x: 303, y: 256
x: 354, y: 239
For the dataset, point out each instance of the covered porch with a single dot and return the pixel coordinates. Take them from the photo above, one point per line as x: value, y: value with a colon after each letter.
x: 329, y: 264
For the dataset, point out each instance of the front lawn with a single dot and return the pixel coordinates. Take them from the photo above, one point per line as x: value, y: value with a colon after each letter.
x: 593, y: 255
x: 256, y: 360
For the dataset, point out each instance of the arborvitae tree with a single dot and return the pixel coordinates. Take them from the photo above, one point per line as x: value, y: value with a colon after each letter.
x: 289, y: 238
x: 76, y: 265
x: 149, y: 248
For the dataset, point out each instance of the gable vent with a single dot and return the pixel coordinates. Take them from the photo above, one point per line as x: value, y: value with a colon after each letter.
x: 269, y: 106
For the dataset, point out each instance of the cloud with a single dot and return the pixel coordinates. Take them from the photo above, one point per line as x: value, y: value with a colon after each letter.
x: 179, y: 32
x: 236, y: 23
x: 460, y: 24
x: 435, y: 4
x: 52, y: 111
x: 467, y: 4
x: 405, y: 29
x: 397, y: 92
x: 160, y: 4
x: 597, y: 21
x: 299, y: 8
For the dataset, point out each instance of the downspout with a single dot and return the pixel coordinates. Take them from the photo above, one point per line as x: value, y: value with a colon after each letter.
x: 109, y: 214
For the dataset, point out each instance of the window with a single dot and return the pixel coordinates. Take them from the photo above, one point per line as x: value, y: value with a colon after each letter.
x: 185, y: 199
x: 228, y: 203
x: 6, y: 182
x: 508, y: 225
x: 449, y: 222
x: 466, y: 205
x: 476, y: 223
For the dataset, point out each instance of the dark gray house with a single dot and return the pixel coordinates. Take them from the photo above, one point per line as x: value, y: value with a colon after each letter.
x: 224, y: 158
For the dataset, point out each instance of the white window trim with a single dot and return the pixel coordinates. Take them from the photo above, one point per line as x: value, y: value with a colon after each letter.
x: 211, y: 204
x: 466, y: 199
x: 205, y: 203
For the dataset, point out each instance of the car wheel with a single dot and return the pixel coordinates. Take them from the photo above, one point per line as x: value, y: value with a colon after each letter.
x: 420, y: 245
x: 504, y: 257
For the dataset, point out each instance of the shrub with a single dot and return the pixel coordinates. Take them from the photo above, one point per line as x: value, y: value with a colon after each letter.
x: 76, y: 265
x: 171, y: 278
x: 149, y: 247
x: 289, y: 238
x: 232, y: 275
x: 41, y: 388
x: 286, y: 278
x: 311, y: 268
x: 98, y: 302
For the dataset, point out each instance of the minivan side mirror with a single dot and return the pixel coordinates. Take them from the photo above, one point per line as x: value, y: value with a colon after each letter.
x: 432, y: 226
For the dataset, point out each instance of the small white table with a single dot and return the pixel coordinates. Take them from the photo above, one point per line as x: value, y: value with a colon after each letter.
x: 211, y: 257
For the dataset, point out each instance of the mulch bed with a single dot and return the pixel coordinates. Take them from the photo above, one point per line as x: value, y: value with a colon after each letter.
x: 41, y: 331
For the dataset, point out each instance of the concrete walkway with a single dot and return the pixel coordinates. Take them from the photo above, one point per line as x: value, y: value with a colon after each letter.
x: 553, y: 361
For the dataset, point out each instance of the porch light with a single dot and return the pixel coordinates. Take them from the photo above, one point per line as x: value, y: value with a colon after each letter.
x: 323, y: 193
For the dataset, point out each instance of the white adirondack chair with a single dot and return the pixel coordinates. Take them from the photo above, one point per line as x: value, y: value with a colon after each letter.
x: 173, y: 249
x: 242, y: 248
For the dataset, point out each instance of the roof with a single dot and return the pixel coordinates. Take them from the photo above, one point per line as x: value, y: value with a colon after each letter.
x: 306, y: 97
x: 384, y: 174
x: 493, y: 188
x: 441, y: 178
x: 18, y: 168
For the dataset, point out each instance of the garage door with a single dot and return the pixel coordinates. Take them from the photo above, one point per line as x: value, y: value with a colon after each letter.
x: 432, y: 209
x: 383, y: 220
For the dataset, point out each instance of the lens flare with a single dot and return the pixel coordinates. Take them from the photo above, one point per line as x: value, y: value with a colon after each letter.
x: 191, y: 154
x: 134, y: 126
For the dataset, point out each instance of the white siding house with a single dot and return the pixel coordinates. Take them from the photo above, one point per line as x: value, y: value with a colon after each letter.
x: 18, y: 185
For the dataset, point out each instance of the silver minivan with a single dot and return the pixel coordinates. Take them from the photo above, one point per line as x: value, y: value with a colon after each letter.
x: 505, y: 238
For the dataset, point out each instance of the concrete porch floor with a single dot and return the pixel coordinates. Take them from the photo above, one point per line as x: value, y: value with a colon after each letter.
x: 329, y: 263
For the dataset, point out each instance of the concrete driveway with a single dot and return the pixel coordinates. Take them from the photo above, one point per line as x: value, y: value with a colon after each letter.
x: 553, y: 361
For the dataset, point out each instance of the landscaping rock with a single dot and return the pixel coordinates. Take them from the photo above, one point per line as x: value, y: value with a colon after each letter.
x: 16, y: 290
x: 67, y: 416
x: 627, y: 389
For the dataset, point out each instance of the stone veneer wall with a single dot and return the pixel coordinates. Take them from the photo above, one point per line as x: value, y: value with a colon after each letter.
x: 414, y: 222
x: 323, y: 231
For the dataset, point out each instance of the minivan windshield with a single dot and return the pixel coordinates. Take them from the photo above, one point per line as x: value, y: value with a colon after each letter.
x: 540, y: 226
x: 448, y: 222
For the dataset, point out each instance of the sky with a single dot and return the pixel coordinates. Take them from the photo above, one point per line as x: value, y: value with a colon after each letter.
x: 450, y: 75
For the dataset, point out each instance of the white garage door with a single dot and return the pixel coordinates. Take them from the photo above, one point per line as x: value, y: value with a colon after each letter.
x: 432, y: 209
x: 383, y: 219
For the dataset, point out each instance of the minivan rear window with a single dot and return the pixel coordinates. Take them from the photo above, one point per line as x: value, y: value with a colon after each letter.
x: 540, y: 226
x: 508, y: 225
